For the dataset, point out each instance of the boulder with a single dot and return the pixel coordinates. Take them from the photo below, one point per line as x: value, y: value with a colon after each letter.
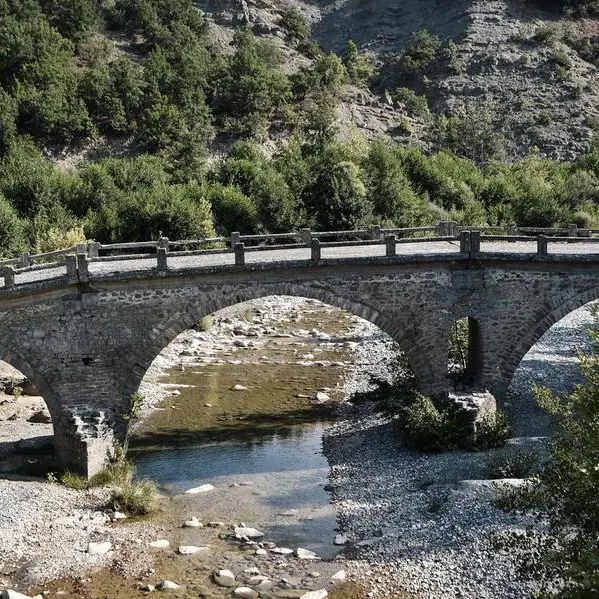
x: 201, y: 489
x: 245, y: 593
x: 99, y: 548
x: 320, y: 594
x: 168, y: 585
x: 193, y: 523
x: 246, y: 532
x: 191, y: 549
x: 339, y: 577
x: 340, y: 539
x: 305, y: 554
x: 224, y: 578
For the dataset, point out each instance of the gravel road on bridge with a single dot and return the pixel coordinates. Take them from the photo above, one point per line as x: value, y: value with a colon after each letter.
x: 252, y: 257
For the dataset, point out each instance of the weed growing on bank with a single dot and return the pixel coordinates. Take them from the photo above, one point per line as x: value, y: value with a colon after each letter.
x: 135, y: 498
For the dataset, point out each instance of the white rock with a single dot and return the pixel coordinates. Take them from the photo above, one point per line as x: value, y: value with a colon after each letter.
x: 245, y: 593
x: 320, y: 397
x: 282, y: 550
x: 264, y: 585
x: 320, y: 594
x: 169, y: 585
x: 160, y: 544
x: 246, y: 532
x: 224, y: 578
x: 255, y: 580
x: 338, y: 577
x: 10, y: 594
x: 201, y: 489
x: 340, y: 539
x: 305, y: 554
x: 148, y: 588
x: 191, y: 549
x: 261, y: 552
x: 193, y: 523
x: 99, y: 548
x: 118, y: 516
x: 240, y: 388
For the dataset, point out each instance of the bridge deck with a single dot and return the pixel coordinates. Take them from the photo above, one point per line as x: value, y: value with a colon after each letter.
x: 265, y: 256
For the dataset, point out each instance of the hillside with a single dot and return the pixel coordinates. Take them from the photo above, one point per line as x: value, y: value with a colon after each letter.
x: 512, y: 59
x: 123, y: 120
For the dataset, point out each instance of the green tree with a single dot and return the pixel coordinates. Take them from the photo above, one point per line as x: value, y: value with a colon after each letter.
x: 12, y: 233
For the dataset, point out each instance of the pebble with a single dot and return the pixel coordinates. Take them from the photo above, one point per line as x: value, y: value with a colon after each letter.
x: 305, y: 554
x: 282, y: 550
x: 339, y: 576
x: 246, y: 532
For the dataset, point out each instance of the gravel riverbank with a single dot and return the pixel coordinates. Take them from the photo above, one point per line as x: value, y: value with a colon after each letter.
x: 414, y: 522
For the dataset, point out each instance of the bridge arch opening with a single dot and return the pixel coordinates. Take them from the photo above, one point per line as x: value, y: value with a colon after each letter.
x: 464, y: 351
x: 248, y: 390
x: 551, y: 361
x: 26, y: 420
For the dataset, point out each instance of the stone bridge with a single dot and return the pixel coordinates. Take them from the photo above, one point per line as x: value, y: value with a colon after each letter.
x: 87, y: 337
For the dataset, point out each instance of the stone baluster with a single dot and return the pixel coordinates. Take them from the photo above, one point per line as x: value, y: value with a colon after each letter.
x: 162, y: 257
x: 315, y: 250
x: 390, y: 247
x: 542, y: 246
x: 8, y: 274
x: 240, y: 254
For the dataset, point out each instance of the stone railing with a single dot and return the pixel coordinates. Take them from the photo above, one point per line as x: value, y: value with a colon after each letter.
x: 76, y: 260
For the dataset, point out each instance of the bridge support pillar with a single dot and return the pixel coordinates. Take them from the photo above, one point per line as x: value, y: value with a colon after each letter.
x: 84, y: 440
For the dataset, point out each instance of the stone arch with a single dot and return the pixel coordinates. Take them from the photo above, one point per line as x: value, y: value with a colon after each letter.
x: 164, y: 334
x: 548, y: 315
x: 47, y: 393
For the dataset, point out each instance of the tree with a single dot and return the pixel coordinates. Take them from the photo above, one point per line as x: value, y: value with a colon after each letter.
x: 12, y: 233
x: 567, y: 493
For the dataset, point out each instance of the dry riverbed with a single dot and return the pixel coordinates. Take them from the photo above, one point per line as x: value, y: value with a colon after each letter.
x: 409, y: 522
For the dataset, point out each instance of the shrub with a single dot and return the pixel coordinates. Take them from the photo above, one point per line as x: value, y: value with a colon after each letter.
x: 135, y: 498
x: 493, y: 430
x: 74, y: 481
x: 118, y: 473
x: 518, y: 465
x: 233, y: 210
x: 12, y: 232
x: 415, y: 104
x: 545, y: 33
x: 358, y: 68
x: 428, y: 427
x: 294, y: 22
x: 422, y: 50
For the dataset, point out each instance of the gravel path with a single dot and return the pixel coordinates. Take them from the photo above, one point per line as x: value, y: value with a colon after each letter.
x: 424, y: 248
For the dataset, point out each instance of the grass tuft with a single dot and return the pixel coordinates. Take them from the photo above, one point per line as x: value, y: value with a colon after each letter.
x: 135, y: 498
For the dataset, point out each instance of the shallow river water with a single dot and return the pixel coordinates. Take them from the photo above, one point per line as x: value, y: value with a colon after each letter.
x: 262, y: 444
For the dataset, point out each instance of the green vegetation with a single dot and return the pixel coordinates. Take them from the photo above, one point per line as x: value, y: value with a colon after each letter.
x: 160, y: 98
x: 135, y: 498
x: 566, y: 494
x: 517, y: 465
x: 426, y: 425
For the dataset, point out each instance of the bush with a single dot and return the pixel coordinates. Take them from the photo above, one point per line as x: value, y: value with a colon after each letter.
x: 136, y: 498
x: 518, y: 465
x: 233, y: 211
x: 74, y: 481
x: 12, y: 232
x: 118, y: 473
x: 415, y: 104
x: 430, y: 426
x: 294, y: 22
x: 422, y: 50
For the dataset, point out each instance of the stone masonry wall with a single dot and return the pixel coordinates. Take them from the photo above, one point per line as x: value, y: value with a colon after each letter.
x: 87, y: 348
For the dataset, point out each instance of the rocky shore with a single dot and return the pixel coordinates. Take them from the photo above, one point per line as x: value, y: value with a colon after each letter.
x: 408, y: 522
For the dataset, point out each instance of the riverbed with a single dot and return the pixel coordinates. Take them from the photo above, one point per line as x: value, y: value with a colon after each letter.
x: 413, y: 522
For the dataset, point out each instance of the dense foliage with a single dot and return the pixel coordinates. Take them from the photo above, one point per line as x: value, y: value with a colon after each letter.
x: 143, y: 79
x: 565, y: 494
